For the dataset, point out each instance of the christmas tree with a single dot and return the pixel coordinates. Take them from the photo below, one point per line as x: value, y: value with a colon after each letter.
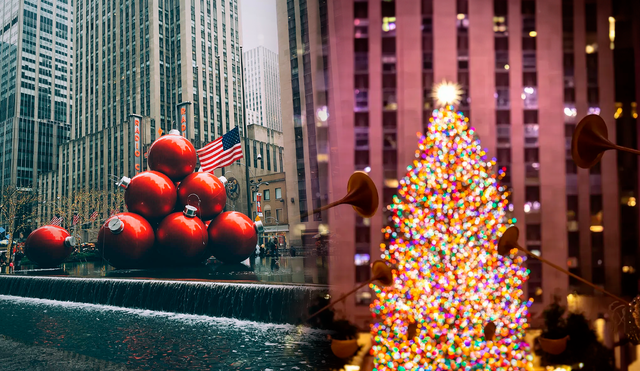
x: 450, y: 281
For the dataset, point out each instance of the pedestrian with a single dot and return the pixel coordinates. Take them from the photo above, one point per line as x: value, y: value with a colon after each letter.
x: 11, y: 267
x: 275, y: 246
x: 19, y: 257
x: 292, y: 252
x: 270, y: 248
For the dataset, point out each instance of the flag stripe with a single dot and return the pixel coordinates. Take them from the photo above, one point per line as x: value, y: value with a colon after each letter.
x: 225, y: 160
x: 212, y: 152
x: 211, y: 147
x: 221, y: 152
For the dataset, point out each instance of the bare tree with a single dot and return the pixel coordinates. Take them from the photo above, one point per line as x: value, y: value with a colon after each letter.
x: 18, y: 209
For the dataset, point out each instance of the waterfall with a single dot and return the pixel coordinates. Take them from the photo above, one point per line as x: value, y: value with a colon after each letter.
x: 253, y: 302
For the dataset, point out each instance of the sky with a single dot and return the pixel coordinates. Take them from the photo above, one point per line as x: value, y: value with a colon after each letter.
x: 259, y: 25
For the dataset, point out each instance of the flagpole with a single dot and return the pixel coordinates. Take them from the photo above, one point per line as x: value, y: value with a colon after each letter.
x: 246, y: 138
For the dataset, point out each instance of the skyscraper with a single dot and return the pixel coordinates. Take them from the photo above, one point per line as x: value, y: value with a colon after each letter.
x: 262, y: 84
x: 303, y: 39
x: 35, y: 86
x: 170, y: 64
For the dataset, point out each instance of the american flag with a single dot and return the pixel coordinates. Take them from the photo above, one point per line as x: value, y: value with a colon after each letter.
x: 221, y: 152
x: 76, y: 219
x: 56, y: 220
x: 94, y: 216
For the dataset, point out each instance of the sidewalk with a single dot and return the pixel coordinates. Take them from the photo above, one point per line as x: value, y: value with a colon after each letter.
x: 18, y: 356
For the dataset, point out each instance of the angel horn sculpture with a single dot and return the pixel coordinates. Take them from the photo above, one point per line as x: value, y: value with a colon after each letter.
x: 362, y: 195
x: 590, y: 141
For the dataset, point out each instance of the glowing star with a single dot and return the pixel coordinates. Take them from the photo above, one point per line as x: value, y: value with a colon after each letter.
x: 450, y: 282
x: 447, y: 93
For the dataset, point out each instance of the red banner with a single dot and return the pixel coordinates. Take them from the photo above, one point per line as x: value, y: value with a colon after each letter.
x: 258, y: 207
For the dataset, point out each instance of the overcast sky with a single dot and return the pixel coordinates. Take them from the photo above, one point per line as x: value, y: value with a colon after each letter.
x: 259, y: 24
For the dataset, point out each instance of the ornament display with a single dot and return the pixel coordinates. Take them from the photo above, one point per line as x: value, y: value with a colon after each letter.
x: 49, y: 245
x: 168, y: 220
x: 182, y: 237
x: 172, y: 155
x: 126, y: 240
x: 233, y: 236
x: 205, y: 192
x: 150, y: 194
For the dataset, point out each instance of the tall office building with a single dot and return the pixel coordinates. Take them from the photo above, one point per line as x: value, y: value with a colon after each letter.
x: 35, y: 86
x: 529, y: 70
x: 304, y: 79
x: 262, y: 84
x: 174, y: 63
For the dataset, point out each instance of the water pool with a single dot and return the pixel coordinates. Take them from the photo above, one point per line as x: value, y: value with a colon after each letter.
x: 150, y: 340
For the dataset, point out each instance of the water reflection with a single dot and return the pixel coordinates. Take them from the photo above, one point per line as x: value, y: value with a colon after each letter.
x: 148, y: 340
x: 310, y: 270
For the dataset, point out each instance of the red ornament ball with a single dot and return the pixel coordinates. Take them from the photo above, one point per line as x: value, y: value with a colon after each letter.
x: 172, y: 155
x: 126, y: 240
x: 204, y: 191
x: 232, y: 237
x: 182, y: 237
x: 150, y: 194
x: 48, y: 246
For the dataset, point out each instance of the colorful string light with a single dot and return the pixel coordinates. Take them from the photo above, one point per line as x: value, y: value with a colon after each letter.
x: 450, y: 281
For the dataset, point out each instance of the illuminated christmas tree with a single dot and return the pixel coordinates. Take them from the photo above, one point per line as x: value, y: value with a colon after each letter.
x: 450, y: 281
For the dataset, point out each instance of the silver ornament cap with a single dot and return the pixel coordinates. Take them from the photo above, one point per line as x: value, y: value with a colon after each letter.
x: 124, y: 182
x: 223, y: 180
x: 174, y: 132
x: 70, y: 241
x: 258, y: 226
x: 189, y: 211
x: 116, y: 226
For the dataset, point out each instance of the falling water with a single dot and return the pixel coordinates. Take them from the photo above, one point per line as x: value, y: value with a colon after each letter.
x: 253, y: 302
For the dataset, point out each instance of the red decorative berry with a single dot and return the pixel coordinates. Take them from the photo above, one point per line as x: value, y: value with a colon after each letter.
x: 126, y: 240
x: 48, y: 246
x: 150, y: 194
x: 182, y: 237
x: 232, y: 237
x: 172, y: 155
x: 205, y: 192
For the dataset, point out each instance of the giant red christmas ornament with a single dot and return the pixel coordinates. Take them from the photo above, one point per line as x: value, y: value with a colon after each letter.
x: 182, y: 237
x: 204, y: 191
x: 172, y: 155
x: 150, y: 194
x: 126, y: 240
x: 48, y: 246
x: 233, y: 237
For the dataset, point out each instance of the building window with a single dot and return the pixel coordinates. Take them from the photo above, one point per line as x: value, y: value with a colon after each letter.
x: 533, y: 232
x: 262, y: 159
x: 268, y: 158
x: 255, y: 155
x: 363, y: 271
x: 278, y: 214
x: 267, y: 195
x: 278, y: 193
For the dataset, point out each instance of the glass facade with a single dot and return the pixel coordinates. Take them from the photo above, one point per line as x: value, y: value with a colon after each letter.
x: 35, y: 107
